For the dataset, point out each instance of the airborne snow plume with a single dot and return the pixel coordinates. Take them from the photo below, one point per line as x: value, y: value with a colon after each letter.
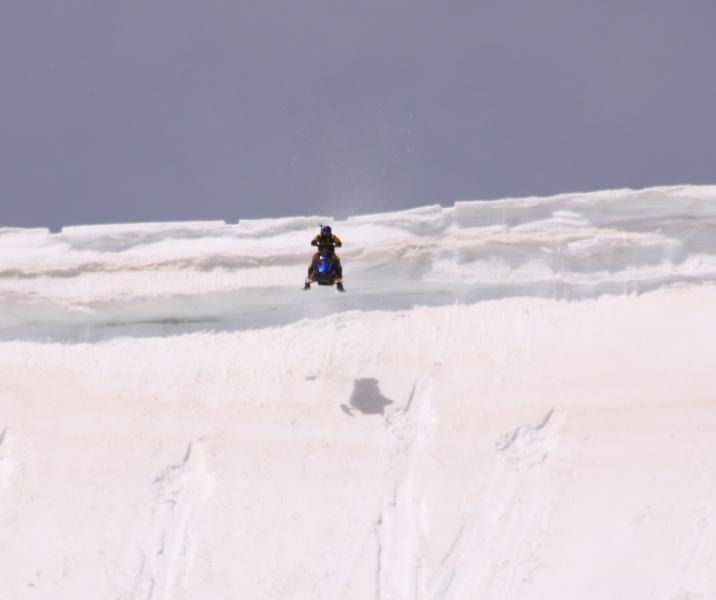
x: 515, y: 399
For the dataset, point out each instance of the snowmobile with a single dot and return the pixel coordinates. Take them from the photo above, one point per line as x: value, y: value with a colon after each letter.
x: 325, y: 271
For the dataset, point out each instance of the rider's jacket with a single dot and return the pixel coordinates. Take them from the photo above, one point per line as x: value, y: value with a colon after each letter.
x: 322, y: 242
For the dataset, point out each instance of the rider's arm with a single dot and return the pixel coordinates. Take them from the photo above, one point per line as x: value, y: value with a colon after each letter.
x: 315, y: 240
x: 337, y: 241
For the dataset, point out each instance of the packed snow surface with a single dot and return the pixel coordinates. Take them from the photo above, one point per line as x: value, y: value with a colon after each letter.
x: 515, y: 399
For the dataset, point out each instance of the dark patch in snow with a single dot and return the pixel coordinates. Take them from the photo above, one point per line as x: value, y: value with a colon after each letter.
x: 409, y: 403
x: 522, y: 433
x: 166, y: 473
x: 367, y: 398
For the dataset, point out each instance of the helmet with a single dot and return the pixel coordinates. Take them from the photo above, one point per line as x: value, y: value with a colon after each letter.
x: 326, y: 231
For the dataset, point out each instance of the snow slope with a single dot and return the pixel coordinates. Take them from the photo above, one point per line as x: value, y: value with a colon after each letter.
x: 514, y: 400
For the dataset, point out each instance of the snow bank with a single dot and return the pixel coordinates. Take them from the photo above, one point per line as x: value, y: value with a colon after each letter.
x: 212, y: 275
x: 179, y: 421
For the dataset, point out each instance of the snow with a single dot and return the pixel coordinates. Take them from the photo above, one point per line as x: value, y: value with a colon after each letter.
x: 515, y: 399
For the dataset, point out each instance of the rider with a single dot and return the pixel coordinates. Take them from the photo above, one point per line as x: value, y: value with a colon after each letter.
x: 326, y: 240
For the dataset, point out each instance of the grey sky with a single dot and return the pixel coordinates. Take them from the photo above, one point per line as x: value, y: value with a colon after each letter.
x: 173, y: 109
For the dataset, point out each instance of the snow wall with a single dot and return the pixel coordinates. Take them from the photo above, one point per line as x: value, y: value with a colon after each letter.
x: 515, y: 399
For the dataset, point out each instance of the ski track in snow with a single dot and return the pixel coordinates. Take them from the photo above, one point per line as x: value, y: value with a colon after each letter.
x: 401, y: 527
x: 181, y: 492
x: 514, y: 400
x: 6, y: 466
x: 16, y: 477
x: 501, y: 535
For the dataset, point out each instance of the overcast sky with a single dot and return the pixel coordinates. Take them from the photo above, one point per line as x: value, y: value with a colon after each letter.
x: 135, y: 110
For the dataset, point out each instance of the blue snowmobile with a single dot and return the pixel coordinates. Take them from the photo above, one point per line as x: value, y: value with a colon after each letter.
x: 325, y: 266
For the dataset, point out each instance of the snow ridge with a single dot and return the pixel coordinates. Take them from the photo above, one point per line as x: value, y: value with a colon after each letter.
x: 97, y: 282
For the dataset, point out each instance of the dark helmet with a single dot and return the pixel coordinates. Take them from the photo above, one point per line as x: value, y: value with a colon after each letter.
x: 326, y: 231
